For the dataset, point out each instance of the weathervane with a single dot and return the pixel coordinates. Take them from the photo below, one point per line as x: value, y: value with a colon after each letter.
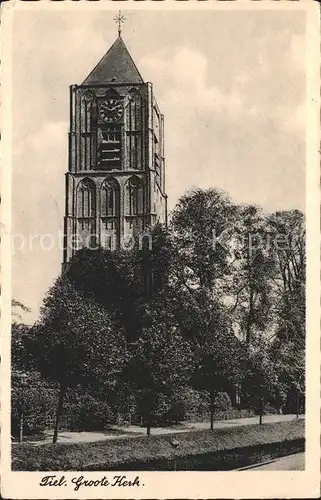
x: 119, y: 19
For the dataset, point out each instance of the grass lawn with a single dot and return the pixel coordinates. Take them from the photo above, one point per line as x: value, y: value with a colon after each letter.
x: 111, y: 454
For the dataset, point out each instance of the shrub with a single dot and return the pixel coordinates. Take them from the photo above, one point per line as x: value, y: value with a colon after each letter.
x: 269, y: 409
x: 85, y: 412
x: 222, y: 402
x: 188, y: 404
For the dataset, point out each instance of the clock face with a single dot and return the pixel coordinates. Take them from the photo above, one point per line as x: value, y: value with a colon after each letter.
x: 111, y: 110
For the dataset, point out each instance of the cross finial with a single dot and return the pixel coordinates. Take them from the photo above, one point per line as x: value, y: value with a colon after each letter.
x: 119, y: 19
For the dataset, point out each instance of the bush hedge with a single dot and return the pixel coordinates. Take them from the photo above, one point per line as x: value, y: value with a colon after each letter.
x: 110, y: 454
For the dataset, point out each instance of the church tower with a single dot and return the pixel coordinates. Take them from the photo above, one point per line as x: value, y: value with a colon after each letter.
x: 115, y: 184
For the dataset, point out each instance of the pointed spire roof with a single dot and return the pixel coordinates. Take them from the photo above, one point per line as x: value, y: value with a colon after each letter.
x: 115, y: 67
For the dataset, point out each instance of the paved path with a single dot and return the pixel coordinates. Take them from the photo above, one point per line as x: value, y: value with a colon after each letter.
x: 134, y: 431
x: 267, y: 419
x: 291, y: 462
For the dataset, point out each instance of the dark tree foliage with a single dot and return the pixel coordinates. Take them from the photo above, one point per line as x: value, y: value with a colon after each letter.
x: 201, y: 308
x: 220, y: 357
x: 252, y: 271
x: 33, y: 397
x: 123, y: 282
x: 113, y: 280
x: 199, y: 222
x: 76, y: 342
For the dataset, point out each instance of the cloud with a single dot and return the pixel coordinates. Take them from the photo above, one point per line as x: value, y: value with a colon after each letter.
x: 39, y: 164
x: 232, y: 134
x: 185, y: 72
x: 184, y: 78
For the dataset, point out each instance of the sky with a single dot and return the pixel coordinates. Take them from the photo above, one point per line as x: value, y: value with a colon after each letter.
x: 230, y: 83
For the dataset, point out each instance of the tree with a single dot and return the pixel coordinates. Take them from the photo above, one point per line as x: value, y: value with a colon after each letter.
x: 287, y: 348
x: 161, y: 362
x: 113, y: 280
x: 203, y: 227
x: 17, y: 308
x: 199, y: 222
x: 288, y: 343
x: 219, y: 359
x: 155, y: 259
x: 250, y: 282
x: 32, y: 401
x: 19, y: 333
x: 260, y: 383
x: 20, y: 359
x: 123, y: 282
x: 287, y: 232
x: 22, y: 394
x: 75, y: 342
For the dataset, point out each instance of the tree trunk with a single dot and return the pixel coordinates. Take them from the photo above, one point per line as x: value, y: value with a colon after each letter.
x: 212, y: 411
x: 62, y: 391
x: 261, y: 412
x: 212, y: 419
x: 250, y: 318
x: 148, y: 427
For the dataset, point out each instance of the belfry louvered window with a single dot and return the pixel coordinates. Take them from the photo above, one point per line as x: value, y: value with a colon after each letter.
x: 109, y: 155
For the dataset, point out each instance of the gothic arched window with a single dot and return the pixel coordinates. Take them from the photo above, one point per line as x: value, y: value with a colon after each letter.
x: 86, y: 206
x: 135, y: 196
x: 86, y: 199
x: 110, y: 198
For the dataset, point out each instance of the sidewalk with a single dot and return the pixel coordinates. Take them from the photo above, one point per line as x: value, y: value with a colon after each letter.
x: 135, y: 431
x: 289, y: 462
